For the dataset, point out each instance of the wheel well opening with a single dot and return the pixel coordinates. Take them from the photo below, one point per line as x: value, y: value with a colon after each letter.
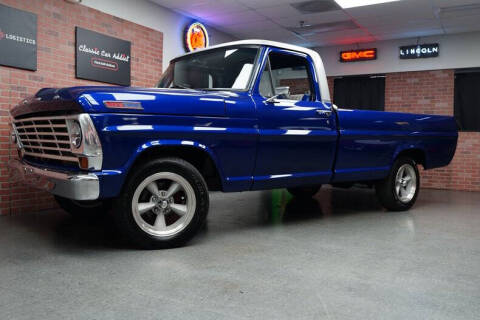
x: 417, y: 155
x: 201, y: 160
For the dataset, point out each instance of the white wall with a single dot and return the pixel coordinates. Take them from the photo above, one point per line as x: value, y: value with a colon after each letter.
x: 456, y: 51
x: 151, y: 15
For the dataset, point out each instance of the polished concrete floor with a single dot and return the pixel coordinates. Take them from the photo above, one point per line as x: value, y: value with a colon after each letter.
x: 263, y: 255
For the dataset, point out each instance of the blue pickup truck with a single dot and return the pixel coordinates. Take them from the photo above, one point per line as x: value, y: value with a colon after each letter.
x: 245, y: 115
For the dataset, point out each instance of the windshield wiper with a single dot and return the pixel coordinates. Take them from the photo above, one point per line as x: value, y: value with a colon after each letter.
x: 179, y: 86
x: 215, y: 89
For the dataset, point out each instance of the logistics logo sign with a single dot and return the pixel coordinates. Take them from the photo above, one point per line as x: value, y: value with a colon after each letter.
x: 196, y: 37
x: 18, y: 38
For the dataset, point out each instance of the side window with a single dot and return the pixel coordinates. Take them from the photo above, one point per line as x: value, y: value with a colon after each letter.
x: 291, y: 76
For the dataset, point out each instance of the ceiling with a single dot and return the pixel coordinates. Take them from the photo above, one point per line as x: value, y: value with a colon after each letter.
x: 328, y: 24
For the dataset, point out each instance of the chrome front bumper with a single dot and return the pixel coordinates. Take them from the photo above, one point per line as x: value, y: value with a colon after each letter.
x: 68, y: 185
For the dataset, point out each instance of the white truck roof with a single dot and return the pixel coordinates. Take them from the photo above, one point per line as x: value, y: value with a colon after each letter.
x: 317, y: 60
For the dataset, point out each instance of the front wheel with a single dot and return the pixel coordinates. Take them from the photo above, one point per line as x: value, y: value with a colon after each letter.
x: 164, y: 204
x: 399, y: 191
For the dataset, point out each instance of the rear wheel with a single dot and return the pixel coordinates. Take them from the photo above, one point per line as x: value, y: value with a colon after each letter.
x: 304, y: 192
x: 164, y: 204
x: 84, y: 209
x: 399, y: 191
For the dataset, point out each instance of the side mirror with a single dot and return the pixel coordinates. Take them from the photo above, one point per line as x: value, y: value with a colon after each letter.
x: 273, y: 99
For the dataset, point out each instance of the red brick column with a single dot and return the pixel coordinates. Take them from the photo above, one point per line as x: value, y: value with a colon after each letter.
x: 56, y: 68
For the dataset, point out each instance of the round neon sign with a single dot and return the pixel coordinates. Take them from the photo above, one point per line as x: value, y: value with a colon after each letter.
x: 196, y: 37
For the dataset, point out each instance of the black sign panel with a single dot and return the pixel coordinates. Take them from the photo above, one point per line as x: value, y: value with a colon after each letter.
x: 18, y: 38
x: 102, y: 58
x: 420, y: 51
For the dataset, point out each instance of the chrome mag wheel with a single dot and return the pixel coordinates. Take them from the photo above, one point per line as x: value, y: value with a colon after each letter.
x: 163, y: 204
x: 405, y: 183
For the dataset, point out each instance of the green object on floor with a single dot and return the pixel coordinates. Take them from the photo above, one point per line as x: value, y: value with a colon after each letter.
x: 280, y: 199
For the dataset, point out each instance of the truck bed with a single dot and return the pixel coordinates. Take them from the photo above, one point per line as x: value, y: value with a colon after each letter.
x: 369, y: 141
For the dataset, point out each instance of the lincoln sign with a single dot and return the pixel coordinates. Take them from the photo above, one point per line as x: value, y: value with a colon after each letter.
x: 419, y: 51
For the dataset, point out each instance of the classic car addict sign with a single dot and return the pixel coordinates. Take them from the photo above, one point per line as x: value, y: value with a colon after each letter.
x: 18, y: 38
x: 420, y: 51
x: 358, y: 55
x: 102, y: 58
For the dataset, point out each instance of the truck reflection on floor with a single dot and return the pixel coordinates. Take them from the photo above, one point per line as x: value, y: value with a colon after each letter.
x: 284, y: 207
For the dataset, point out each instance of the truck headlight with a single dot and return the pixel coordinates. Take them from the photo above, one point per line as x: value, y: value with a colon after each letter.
x: 85, y: 142
x: 75, y: 134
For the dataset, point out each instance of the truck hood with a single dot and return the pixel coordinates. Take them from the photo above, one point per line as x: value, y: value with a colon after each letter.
x: 103, y: 99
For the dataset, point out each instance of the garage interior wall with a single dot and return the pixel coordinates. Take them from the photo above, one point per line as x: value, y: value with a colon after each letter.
x: 56, y: 68
x: 158, y: 18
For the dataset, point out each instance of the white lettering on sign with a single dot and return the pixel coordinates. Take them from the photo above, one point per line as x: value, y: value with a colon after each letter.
x: 419, y: 51
x: 14, y: 37
x: 95, y: 51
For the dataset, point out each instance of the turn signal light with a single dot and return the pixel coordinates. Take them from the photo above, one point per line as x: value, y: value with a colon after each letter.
x: 83, y: 163
x: 123, y: 105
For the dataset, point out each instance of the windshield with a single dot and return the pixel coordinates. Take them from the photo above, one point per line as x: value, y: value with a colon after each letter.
x: 223, y: 68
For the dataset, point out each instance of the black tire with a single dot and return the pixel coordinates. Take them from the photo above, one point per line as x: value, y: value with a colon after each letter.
x: 304, y: 192
x: 84, y: 209
x: 386, y: 189
x: 124, y: 214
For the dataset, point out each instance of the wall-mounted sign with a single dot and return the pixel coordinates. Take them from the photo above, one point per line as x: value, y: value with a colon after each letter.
x: 358, y: 55
x: 420, y: 51
x: 102, y: 58
x: 196, y: 37
x: 18, y: 38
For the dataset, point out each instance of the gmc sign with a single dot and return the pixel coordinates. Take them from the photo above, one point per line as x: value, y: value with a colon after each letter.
x: 358, y: 55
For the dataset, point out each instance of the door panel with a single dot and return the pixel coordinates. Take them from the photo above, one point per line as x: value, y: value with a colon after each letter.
x: 298, y: 136
x: 296, y: 145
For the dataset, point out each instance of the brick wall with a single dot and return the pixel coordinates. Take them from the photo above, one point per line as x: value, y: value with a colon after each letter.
x: 297, y: 86
x: 56, y: 68
x: 432, y: 92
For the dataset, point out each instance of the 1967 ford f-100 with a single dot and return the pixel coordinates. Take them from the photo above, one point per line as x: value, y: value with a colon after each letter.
x: 246, y: 115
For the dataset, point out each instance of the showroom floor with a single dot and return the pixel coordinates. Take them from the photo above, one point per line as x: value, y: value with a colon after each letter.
x: 263, y: 255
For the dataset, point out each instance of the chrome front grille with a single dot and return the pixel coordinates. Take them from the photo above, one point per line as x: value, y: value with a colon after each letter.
x: 45, y: 138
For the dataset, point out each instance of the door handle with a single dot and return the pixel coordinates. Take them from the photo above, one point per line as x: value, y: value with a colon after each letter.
x: 324, y: 113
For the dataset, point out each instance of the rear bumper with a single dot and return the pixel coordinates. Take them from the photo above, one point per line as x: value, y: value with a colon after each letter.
x: 69, y: 185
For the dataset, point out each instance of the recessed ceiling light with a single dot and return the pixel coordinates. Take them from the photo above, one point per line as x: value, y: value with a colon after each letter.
x: 345, y: 4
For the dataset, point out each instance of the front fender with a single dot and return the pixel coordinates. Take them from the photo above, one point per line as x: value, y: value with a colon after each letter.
x: 112, y: 181
x: 174, y: 143
x: 230, y: 144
